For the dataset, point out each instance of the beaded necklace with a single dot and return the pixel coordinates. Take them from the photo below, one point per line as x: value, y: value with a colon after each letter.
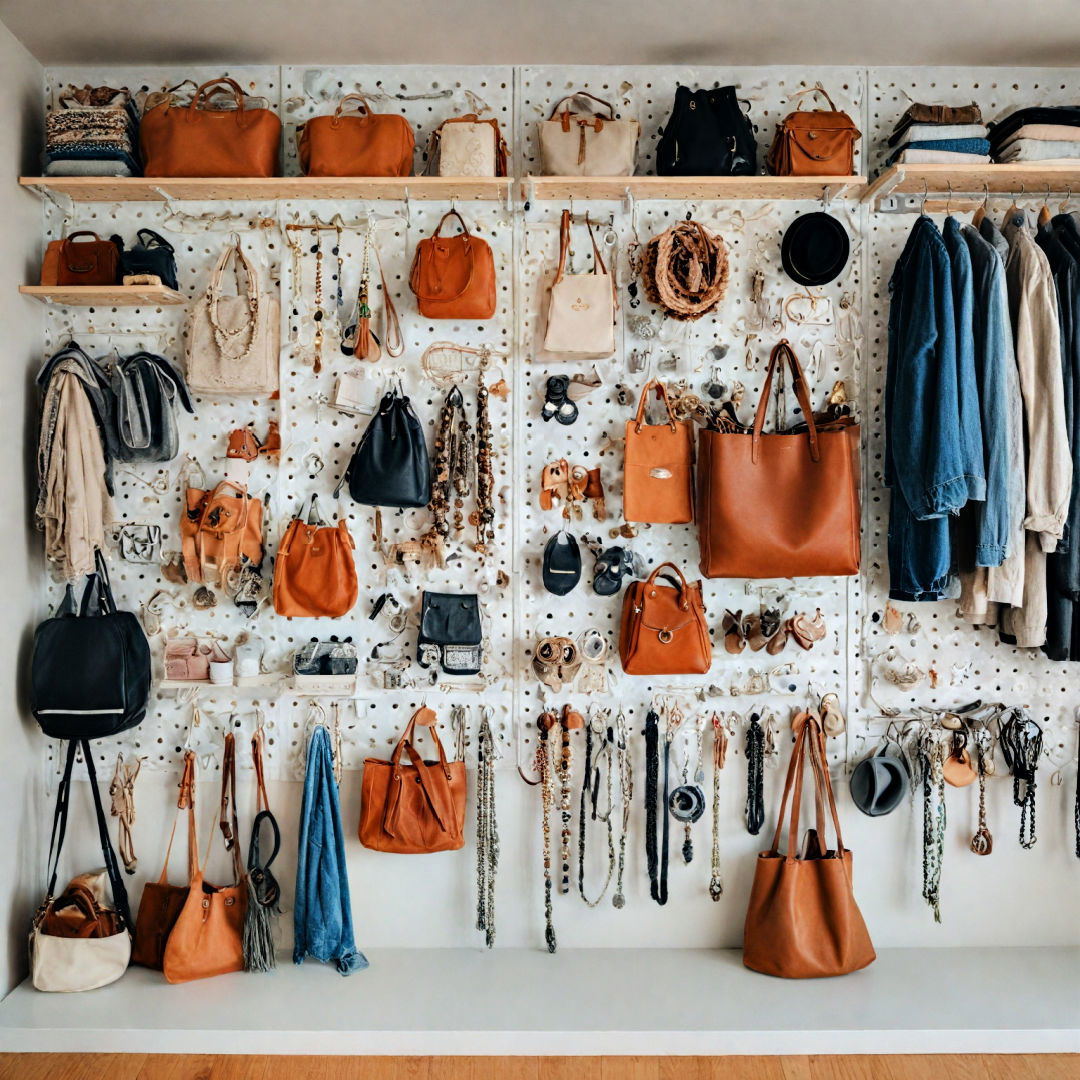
x: 1021, y: 743
x: 755, y: 776
x: 932, y: 764
x: 590, y: 793
x: 720, y: 741
x: 318, y: 315
x: 487, y: 832
x: 658, y: 889
x: 982, y: 843
x: 547, y: 796
x: 626, y: 793
x: 483, y: 516
x: 452, y: 468
x: 564, y: 773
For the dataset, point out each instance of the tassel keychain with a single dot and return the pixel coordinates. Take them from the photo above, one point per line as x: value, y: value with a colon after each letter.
x: 363, y: 306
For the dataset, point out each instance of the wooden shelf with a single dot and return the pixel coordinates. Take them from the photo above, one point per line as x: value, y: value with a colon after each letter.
x: 969, y: 184
x: 210, y: 189
x: 105, y: 295
x: 562, y: 188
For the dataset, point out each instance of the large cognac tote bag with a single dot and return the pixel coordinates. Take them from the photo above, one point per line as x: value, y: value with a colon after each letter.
x: 802, y: 921
x: 192, y: 140
x: 783, y: 505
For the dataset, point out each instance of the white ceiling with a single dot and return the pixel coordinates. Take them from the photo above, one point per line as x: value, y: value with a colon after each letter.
x: 1038, y: 33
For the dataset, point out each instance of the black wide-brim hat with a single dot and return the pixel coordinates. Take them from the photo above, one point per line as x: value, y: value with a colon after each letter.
x: 815, y: 249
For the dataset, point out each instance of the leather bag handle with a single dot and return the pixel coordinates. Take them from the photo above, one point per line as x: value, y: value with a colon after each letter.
x: 782, y: 352
x: 599, y: 266
x: 365, y: 108
x: 683, y: 586
x: 83, y: 232
x: 817, y: 89
x: 222, y: 84
x: 227, y: 819
x: 232, y: 251
x: 461, y: 221
x: 157, y: 238
x: 584, y: 94
x: 661, y: 392
x: 186, y: 801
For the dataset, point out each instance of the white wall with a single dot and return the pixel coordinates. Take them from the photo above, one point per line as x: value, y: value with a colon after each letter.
x: 21, y: 806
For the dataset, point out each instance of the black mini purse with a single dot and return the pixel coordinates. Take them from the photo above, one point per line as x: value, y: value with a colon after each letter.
x: 450, y: 633
x: 153, y: 254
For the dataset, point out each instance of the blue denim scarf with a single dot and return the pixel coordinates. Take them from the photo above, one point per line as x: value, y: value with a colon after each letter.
x: 322, y: 919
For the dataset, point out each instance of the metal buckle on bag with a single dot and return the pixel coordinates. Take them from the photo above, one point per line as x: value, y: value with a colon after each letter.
x: 665, y: 637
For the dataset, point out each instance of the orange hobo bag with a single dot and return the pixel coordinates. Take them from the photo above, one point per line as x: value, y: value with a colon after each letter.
x: 415, y: 808
x: 453, y: 277
x: 658, y: 466
x: 207, y: 938
x: 818, y: 142
x: 779, y: 505
x: 314, y: 572
x: 663, y: 630
x: 186, y: 140
x: 356, y: 144
x: 802, y: 921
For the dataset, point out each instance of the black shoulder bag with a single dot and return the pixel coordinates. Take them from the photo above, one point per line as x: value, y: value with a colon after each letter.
x: 707, y: 134
x: 153, y: 254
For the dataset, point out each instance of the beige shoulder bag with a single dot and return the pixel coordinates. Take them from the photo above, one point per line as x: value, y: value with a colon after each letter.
x: 233, y: 340
x: 587, y: 143
x: 581, y: 311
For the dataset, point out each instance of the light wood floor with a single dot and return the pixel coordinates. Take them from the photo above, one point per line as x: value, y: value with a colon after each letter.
x: 222, y: 1067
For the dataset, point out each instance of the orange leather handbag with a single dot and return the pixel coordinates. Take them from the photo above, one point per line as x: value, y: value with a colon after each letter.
x: 802, y: 921
x: 415, y: 808
x: 658, y: 466
x: 220, y: 529
x: 192, y: 140
x: 819, y: 142
x: 663, y: 629
x: 161, y: 902
x: 356, y: 144
x: 89, y: 262
x: 453, y: 277
x: 314, y: 572
x: 783, y: 505
x: 207, y: 938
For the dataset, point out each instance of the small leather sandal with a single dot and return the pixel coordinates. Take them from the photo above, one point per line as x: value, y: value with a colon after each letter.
x: 778, y: 641
x: 734, y: 632
x: 805, y: 630
x: 761, y: 629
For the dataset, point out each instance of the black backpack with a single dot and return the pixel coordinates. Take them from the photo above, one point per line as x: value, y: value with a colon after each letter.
x: 89, y: 672
x: 153, y: 254
x: 708, y: 134
x: 390, y: 465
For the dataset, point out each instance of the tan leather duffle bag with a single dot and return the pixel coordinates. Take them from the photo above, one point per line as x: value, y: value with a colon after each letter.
x: 363, y: 143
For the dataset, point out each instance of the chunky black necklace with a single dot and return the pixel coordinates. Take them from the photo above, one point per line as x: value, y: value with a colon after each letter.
x: 658, y: 887
x: 1021, y: 743
x: 755, y: 776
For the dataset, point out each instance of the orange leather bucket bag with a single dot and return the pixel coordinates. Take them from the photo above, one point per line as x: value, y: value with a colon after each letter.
x: 207, y: 938
x: 356, y: 144
x: 781, y: 505
x: 314, y: 572
x: 416, y: 807
x: 658, y: 466
x: 663, y: 629
x: 453, y: 277
x: 802, y: 921
x: 189, y: 140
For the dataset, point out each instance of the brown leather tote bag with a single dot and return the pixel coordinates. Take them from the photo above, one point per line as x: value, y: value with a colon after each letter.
x: 186, y: 140
x: 779, y: 505
x: 88, y: 262
x: 314, y: 572
x: 818, y: 142
x: 658, y: 466
x: 366, y: 143
x: 802, y: 921
x: 453, y: 277
x: 663, y: 630
x: 208, y: 936
x: 415, y: 808
x: 161, y: 902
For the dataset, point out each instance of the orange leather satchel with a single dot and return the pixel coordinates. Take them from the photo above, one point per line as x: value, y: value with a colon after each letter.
x: 415, y: 808
x: 802, y: 921
x: 771, y: 506
x: 189, y: 140
x: 453, y: 277
x: 88, y: 262
x: 220, y: 529
x: 366, y: 143
x: 663, y: 629
x: 314, y: 572
x: 658, y: 466
x: 207, y: 938
x: 161, y: 902
x: 819, y: 142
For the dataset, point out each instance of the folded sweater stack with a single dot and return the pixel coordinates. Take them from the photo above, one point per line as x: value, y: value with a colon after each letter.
x: 939, y: 134
x: 92, y: 132
x: 1049, y: 135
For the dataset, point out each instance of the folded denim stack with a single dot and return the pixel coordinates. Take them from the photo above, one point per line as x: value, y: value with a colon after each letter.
x: 92, y: 132
x: 939, y: 134
x: 1047, y: 134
